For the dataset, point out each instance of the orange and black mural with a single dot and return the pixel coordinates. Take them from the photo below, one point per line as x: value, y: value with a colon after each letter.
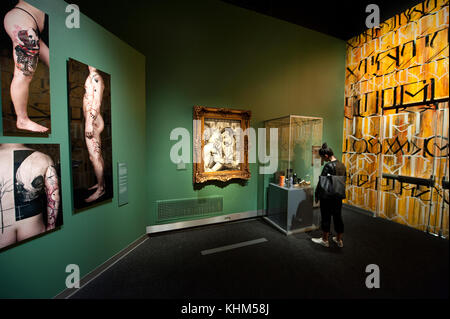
x: 396, y: 124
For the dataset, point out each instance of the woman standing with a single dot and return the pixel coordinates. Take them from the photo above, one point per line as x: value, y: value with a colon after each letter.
x: 330, y: 206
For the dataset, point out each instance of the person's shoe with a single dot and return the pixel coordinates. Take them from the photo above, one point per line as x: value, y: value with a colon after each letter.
x: 340, y: 243
x: 320, y: 241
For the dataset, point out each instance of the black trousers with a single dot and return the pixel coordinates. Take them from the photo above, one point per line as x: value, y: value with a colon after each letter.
x: 328, y: 208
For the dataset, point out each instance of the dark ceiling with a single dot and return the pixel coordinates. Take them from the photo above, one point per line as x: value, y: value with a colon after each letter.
x: 341, y: 19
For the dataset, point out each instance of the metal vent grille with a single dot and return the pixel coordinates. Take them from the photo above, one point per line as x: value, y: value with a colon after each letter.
x: 195, y: 207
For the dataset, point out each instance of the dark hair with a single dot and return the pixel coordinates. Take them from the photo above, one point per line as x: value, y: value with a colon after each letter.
x: 325, y: 150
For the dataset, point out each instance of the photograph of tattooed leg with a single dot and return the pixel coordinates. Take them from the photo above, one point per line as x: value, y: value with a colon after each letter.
x: 94, y: 126
x: 23, y: 24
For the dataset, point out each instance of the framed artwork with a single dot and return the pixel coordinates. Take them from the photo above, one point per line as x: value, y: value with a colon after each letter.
x: 30, y: 191
x: 90, y: 134
x: 220, y: 145
x: 24, y: 68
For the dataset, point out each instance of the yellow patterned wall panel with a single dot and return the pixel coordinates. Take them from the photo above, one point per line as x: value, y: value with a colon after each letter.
x: 396, y: 118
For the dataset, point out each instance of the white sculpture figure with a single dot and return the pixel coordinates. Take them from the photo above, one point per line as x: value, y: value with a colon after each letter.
x: 212, y: 152
x: 229, y: 148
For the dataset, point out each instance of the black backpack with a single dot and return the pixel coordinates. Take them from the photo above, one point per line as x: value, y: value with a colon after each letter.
x: 332, y: 186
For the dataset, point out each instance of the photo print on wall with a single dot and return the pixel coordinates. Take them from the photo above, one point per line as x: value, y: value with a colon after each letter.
x: 30, y: 191
x: 90, y: 134
x: 24, y: 68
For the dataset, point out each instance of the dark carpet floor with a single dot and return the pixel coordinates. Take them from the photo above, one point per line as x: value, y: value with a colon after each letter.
x: 412, y: 264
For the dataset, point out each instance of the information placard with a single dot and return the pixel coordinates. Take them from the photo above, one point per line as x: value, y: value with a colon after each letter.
x: 123, y: 183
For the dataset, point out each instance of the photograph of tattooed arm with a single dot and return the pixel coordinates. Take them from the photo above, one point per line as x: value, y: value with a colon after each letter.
x: 30, y: 201
x: 53, y: 196
x: 24, y: 24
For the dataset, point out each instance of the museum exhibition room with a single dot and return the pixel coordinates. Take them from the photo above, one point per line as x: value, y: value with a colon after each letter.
x: 224, y: 150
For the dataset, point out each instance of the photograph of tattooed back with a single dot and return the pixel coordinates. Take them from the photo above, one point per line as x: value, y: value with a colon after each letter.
x: 89, y: 92
x: 30, y: 192
x: 24, y: 68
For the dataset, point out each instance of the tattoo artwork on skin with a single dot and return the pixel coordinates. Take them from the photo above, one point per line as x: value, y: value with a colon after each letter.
x: 29, y: 184
x: 92, y: 182
x: 5, y: 187
x: 53, y: 197
x: 30, y: 191
x: 93, y: 113
x: 97, y: 146
x: 27, y: 51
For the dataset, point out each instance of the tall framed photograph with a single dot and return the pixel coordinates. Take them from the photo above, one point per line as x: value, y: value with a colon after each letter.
x: 30, y: 191
x: 220, y: 144
x: 90, y: 134
x: 24, y: 68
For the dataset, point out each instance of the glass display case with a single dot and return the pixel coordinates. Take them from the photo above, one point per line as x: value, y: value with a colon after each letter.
x: 289, y: 193
x: 299, y: 138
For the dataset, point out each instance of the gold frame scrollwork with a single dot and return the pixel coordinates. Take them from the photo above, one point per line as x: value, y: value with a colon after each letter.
x: 202, y: 112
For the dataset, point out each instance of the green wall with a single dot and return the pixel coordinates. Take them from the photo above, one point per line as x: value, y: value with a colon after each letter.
x: 211, y: 53
x: 214, y: 54
x: 36, y: 269
x: 203, y: 52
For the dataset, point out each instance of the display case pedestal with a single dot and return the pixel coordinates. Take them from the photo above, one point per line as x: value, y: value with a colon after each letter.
x: 290, y: 210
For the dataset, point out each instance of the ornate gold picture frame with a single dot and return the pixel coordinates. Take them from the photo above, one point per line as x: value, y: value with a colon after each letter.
x: 220, y: 144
